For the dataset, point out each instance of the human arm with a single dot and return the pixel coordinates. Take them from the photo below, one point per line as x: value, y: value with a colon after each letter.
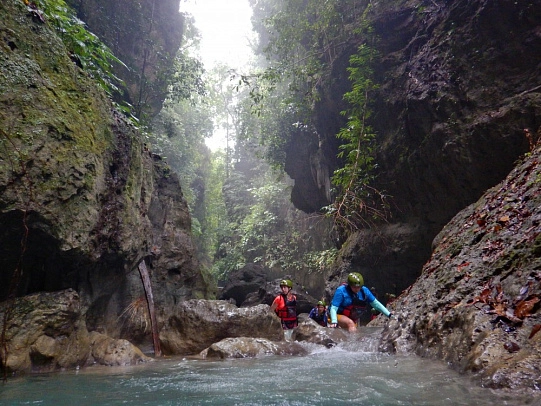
x: 274, y: 304
x: 376, y: 304
x: 333, y: 312
x: 336, y: 302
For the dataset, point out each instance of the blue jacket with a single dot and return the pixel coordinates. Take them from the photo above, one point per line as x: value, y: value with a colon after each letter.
x: 321, y: 319
x: 343, y: 298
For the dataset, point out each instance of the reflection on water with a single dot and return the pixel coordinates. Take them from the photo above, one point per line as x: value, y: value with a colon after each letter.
x: 344, y: 375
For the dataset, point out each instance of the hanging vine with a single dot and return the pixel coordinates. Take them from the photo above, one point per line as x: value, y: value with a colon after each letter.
x: 357, y: 202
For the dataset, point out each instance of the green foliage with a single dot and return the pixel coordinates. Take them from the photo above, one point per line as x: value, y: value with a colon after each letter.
x: 187, y: 80
x: 276, y: 114
x: 321, y: 261
x: 215, y: 223
x: 263, y: 226
x: 85, y: 47
x: 302, y: 39
x: 358, y: 137
x: 355, y: 201
x: 178, y: 135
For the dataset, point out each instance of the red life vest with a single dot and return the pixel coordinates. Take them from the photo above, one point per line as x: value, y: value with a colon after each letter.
x: 287, y: 309
x: 359, y: 306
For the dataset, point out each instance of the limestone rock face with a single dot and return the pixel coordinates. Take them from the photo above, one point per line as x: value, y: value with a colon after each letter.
x: 196, y: 324
x: 249, y: 347
x: 477, y: 303
x: 145, y: 35
x: 82, y: 200
x: 240, y: 283
x: 44, y: 332
x: 459, y: 85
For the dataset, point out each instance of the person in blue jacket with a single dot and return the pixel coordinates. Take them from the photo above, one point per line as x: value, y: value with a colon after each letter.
x: 351, y: 301
x: 319, y: 314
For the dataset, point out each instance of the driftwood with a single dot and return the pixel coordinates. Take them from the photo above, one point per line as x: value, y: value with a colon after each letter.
x: 150, y: 300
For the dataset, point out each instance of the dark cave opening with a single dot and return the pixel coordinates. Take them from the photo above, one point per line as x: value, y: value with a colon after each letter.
x: 30, y: 257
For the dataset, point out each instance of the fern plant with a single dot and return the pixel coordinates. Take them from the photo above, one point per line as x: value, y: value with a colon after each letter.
x: 84, y: 47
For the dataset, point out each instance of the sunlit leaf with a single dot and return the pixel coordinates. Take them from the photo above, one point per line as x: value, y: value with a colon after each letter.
x: 524, y: 307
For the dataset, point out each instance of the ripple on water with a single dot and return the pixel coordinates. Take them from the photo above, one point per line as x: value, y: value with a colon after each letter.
x: 336, y: 376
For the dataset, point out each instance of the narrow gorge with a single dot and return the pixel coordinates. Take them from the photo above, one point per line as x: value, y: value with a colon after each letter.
x: 84, y: 199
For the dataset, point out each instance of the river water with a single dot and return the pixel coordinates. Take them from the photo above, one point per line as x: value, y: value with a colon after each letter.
x: 351, y: 373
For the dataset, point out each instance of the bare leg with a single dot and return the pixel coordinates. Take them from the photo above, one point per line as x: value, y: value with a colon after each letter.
x: 346, y: 323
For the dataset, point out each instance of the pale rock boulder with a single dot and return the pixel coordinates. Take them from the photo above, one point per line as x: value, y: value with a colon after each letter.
x: 249, y: 347
x: 115, y: 352
x: 44, y: 332
x: 310, y: 331
x: 197, y: 324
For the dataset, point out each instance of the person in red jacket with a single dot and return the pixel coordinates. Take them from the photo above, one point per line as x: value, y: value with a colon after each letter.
x: 285, y: 305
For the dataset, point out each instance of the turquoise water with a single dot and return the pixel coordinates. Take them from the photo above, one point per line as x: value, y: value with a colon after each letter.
x: 344, y: 375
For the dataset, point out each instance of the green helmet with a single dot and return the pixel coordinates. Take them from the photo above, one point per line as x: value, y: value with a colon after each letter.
x: 321, y: 303
x: 286, y: 282
x: 355, y: 279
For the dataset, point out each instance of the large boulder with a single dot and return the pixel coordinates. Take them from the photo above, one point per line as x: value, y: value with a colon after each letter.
x: 109, y: 351
x: 47, y: 331
x: 44, y: 332
x: 197, y: 323
x: 310, y: 331
x: 249, y: 347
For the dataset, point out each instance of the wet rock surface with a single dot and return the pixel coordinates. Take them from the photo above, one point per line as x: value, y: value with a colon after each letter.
x: 82, y: 200
x: 309, y: 331
x: 109, y: 351
x: 249, y: 347
x: 197, y: 324
x: 44, y: 332
x: 477, y: 304
x: 47, y: 331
